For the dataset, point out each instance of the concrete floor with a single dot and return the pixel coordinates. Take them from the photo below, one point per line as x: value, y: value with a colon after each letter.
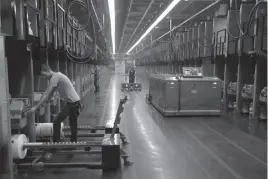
x: 166, y: 148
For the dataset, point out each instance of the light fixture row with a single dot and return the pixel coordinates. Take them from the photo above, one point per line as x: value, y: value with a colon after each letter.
x: 156, y: 22
x: 112, y: 21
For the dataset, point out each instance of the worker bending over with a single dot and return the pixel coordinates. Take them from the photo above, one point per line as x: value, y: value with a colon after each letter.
x: 61, y: 83
x: 131, y: 75
x: 96, y: 72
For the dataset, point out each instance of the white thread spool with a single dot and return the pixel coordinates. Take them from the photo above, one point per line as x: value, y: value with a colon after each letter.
x: 17, y: 142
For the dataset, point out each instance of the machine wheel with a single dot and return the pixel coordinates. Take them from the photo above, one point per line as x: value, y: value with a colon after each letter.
x: 39, y: 166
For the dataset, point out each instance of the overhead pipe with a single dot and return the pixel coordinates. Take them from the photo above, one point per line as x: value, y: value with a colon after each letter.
x: 189, y: 19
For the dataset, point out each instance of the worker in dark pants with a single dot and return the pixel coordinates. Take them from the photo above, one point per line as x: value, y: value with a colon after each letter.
x: 96, y: 72
x: 131, y: 75
x: 61, y: 83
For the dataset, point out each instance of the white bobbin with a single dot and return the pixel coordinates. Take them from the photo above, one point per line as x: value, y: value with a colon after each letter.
x: 17, y: 142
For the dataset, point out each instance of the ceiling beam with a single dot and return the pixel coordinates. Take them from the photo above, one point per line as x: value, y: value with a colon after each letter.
x: 181, y: 25
x: 144, y: 15
x: 121, y: 56
x: 122, y: 36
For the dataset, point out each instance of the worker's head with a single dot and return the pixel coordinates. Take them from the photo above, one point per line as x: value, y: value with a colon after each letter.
x: 46, y: 71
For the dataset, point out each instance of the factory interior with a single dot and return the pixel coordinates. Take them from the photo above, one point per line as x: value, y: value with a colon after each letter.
x: 152, y: 89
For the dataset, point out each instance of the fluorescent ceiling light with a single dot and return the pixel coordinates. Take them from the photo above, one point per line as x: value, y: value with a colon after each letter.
x: 163, y: 15
x: 112, y: 20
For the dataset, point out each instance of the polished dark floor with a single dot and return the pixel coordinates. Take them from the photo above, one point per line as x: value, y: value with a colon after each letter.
x: 166, y: 148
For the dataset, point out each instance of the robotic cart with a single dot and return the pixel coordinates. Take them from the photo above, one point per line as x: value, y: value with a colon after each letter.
x: 132, y: 84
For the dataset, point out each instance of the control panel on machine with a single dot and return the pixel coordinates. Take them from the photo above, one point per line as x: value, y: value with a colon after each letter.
x: 17, y: 107
x: 192, y: 72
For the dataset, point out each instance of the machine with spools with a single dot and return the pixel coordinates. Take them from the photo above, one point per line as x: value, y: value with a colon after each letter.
x: 231, y: 90
x: 247, y: 98
x: 108, y: 142
x: 263, y: 104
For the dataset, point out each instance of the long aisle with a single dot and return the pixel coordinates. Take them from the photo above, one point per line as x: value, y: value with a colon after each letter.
x: 190, y: 147
x: 168, y: 148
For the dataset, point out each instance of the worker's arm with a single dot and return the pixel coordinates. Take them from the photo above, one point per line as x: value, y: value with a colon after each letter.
x: 93, y: 71
x: 48, y: 93
x: 45, y: 97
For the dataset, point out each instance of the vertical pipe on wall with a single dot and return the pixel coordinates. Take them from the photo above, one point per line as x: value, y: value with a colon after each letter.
x: 171, y: 67
x: 184, y: 47
x: 47, y: 108
x: 5, y: 125
x: 259, y: 44
x: 31, y: 120
x: 194, y: 45
x: 80, y: 67
x: 58, y: 108
x: 227, y: 73
x: 244, y: 64
x: 225, y: 85
x: 189, y: 46
x: 71, y: 71
x: 256, y: 91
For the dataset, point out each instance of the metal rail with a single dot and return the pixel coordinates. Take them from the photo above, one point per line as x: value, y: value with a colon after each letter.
x: 118, y: 118
x: 67, y: 128
x: 64, y: 165
x: 49, y: 145
x: 75, y: 152
x: 86, y: 135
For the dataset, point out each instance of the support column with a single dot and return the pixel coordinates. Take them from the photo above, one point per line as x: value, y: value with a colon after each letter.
x: 261, y: 62
x: 257, y: 89
x: 6, y: 167
x: 31, y: 119
x: 72, y: 71
x: 225, y: 87
x: 58, y: 109
x: 80, y: 67
x: 47, y: 108
x: 170, y: 47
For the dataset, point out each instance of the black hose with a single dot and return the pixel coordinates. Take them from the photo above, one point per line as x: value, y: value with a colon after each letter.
x: 250, y: 20
x: 87, y: 7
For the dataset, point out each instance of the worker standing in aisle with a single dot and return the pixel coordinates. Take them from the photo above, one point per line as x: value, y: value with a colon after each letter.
x: 72, y: 107
x: 96, y: 72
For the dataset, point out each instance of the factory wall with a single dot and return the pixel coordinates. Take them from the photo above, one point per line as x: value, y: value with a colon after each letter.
x: 33, y: 33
